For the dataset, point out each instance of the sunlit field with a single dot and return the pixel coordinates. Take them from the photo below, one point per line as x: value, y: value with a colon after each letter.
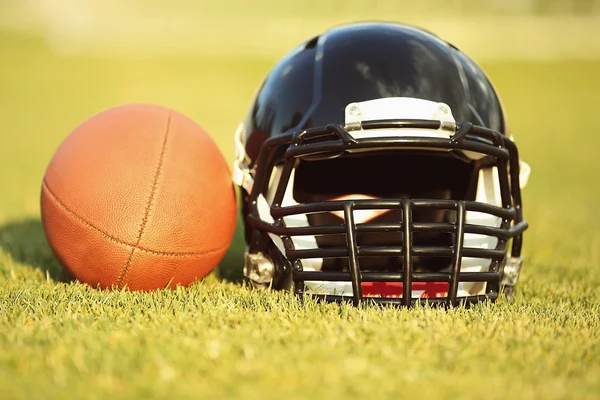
x: 219, y: 339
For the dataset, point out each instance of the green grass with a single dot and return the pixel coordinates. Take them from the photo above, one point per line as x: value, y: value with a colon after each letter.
x: 218, y: 339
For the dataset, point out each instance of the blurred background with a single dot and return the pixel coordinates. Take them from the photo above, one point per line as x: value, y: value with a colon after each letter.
x: 62, y: 61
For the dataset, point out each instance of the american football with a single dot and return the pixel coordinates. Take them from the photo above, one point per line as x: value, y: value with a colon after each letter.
x: 132, y: 198
x: 335, y: 199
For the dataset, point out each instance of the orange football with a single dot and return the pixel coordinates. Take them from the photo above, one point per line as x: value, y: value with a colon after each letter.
x: 138, y: 196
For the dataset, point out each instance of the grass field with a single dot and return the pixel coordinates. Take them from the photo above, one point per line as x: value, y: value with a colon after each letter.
x: 217, y: 339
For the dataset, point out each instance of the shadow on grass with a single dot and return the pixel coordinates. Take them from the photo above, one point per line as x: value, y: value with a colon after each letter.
x: 26, y: 243
x: 231, y: 266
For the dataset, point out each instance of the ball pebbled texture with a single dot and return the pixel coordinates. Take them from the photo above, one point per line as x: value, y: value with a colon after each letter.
x: 138, y: 196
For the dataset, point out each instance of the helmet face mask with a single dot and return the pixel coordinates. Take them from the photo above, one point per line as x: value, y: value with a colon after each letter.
x: 396, y: 202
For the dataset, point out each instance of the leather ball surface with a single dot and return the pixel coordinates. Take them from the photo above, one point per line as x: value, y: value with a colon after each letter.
x: 138, y: 196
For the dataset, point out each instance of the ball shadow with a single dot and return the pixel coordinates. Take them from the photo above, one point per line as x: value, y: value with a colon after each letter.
x: 230, y: 268
x: 26, y: 243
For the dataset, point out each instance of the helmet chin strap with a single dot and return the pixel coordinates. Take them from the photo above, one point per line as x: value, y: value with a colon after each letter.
x: 424, y: 290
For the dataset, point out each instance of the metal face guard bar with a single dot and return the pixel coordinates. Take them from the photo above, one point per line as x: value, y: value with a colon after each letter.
x: 334, y: 140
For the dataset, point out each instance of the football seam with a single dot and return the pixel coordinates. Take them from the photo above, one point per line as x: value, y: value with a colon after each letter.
x: 112, y: 238
x: 148, y: 203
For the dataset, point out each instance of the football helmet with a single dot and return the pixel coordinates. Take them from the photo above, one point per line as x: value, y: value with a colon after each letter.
x: 375, y: 165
